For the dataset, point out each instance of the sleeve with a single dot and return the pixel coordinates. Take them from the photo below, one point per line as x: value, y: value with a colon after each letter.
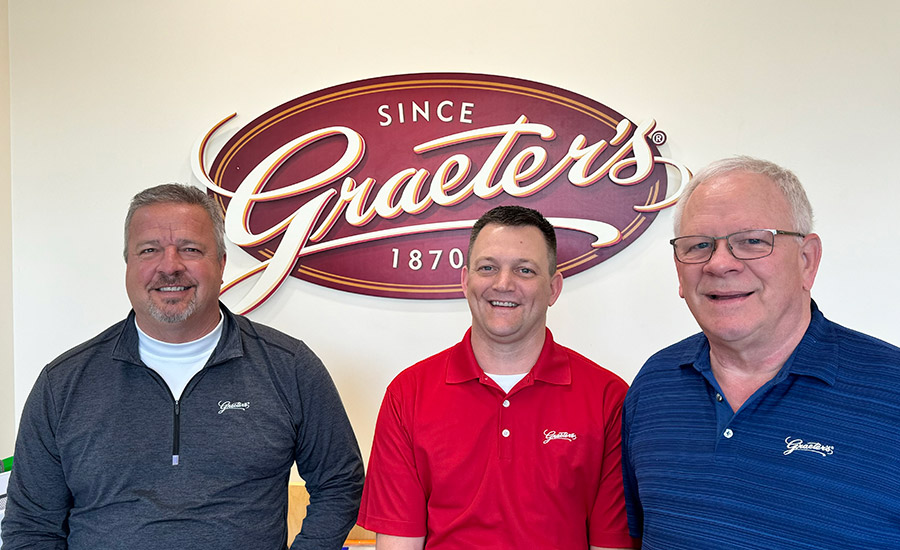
x: 632, y: 498
x: 394, y: 500
x: 608, y: 521
x: 328, y: 460
x: 39, y: 499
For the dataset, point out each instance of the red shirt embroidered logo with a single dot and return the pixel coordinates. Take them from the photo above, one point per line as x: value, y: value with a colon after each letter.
x: 553, y: 435
x: 372, y: 186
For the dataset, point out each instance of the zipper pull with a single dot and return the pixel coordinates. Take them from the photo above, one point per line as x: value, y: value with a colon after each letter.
x: 176, y: 443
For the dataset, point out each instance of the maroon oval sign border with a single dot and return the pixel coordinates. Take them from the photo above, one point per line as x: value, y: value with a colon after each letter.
x: 372, y: 186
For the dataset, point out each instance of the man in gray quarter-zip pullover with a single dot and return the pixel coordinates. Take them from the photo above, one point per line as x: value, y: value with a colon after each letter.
x: 178, y: 426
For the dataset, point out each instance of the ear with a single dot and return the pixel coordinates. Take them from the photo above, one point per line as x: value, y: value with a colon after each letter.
x: 464, y: 279
x: 810, y: 256
x: 556, y: 284
x: 678, y: 272
x: 222, y: 269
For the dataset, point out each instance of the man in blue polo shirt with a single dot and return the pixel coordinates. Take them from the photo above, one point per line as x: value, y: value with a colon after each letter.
x: 774, y: 427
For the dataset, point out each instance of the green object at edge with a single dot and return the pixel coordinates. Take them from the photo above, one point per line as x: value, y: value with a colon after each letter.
x: 6, y: 465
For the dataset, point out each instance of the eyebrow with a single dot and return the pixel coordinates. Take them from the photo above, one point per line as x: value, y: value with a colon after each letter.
x: 179, y: 243
x: 515, y: 261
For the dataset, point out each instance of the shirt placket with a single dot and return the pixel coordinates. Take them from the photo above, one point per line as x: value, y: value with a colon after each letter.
x: 506, y: 435
x: 507, y: 410
x: 725, y: 430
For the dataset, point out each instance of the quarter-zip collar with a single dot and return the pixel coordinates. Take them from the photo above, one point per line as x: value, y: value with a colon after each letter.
x: 229, y: 347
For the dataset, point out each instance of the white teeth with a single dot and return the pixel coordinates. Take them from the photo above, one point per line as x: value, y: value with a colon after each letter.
x: 172, y: 288
x: 503, y: 304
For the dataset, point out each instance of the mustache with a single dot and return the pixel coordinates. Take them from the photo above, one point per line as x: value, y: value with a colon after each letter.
x: 167, y: 280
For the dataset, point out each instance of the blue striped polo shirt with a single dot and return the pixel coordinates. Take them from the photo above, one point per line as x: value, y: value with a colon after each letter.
x: 810, y: 461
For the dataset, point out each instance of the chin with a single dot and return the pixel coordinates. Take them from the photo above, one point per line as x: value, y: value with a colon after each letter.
x: 170, y: 315
x: 726, y: 332
x: 500, y: 333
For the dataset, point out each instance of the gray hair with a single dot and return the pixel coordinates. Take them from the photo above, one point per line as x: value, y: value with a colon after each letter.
x: 175, y: 193
x: 787, y: 182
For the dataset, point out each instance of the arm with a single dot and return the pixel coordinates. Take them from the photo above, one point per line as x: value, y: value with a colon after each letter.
x: 39, y: 500
x: 394, y: 500
x: 390, y: 542
x: 327, y: 457
x: 632, y: 498
x: 608, y: 521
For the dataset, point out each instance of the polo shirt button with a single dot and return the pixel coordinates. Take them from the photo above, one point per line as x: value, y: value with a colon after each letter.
x: 719, y: 397
x: 728, y: 433
x: 506, y: 402
x: 505, y: 433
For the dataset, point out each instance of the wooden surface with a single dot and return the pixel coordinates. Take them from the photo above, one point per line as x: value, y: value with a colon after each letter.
x: 298, y: 499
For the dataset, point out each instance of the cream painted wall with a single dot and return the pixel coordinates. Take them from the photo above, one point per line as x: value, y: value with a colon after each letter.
x: 7, y: 387
x: 108, y: 98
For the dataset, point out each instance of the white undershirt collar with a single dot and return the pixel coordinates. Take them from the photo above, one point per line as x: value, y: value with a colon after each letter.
x: 178, y: 363
x: 506, y: 381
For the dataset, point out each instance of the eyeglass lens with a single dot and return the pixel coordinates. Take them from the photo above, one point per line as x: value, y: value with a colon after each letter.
x: 746, y: 245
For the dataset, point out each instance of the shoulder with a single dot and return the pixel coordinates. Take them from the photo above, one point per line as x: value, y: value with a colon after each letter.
x: 89, y: 366
x: 863, y: 347
x: 262, y: 352
x: 430, y: 369
x: 858, y: 359
x: 586, y: 369
x: 844, y: 349
x: 257, y: 337
x: 83, y: 354
x: 666, y: 364
x: 667, y: 384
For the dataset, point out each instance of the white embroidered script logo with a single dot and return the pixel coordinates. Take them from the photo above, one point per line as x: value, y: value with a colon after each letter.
x: 230, y: 406
x: 550, y: 435
x: 812, y: 447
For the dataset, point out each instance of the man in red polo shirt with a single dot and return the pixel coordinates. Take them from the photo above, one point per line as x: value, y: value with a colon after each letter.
x: 507, y: 439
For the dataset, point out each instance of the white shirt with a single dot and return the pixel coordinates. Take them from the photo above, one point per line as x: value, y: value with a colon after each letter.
x: 178, y: 363
x: 506, y: 381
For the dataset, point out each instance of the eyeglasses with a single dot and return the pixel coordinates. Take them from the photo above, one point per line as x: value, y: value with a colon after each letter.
x: 752, y: 244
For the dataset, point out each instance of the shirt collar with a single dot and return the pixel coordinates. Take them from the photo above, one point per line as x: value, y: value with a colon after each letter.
x: 552, y: 365
x: 814, y: 356
x: 228, y: 347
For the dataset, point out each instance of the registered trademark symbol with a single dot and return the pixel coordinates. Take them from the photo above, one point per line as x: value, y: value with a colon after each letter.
x: 658, y: 137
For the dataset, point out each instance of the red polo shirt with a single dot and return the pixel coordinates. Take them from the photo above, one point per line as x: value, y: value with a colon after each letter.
x: 467, y: 466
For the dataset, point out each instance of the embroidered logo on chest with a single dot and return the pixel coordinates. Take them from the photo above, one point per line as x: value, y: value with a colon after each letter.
x: 550, y: 435
x: 233, y: 406
x: 796, y: 444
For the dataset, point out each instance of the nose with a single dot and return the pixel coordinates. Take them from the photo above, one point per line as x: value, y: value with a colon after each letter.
x: 722, y: 260
x: 503, y: 280
x: 171, y: 261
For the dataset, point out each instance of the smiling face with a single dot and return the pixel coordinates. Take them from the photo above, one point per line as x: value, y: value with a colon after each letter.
x: 173, y: 273
x: 508, y: 284
x: 758, y: 303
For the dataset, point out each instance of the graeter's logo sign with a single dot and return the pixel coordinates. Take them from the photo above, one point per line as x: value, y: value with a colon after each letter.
x: 372, y: 186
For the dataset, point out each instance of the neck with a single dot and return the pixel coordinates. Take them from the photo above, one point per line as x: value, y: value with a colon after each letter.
x: 179, y: 333
x: 740, y: 370
x: 507, y: 358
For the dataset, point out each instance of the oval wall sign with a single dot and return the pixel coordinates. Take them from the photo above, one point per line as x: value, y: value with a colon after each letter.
x: 372, y: 186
